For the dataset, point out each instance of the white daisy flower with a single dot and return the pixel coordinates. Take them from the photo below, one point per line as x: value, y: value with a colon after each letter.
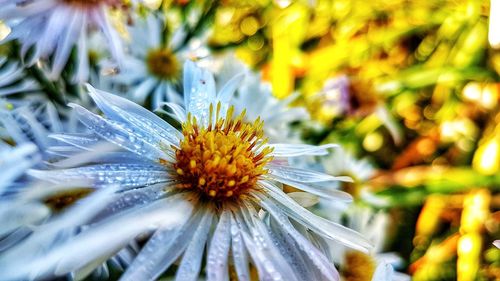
x: 497, y: 243
x: 377, y: 265
x: 343, y: 162
x: 373, y: 225
x: 222, y: 176
x: 54, y: 27
x: 153, y: 66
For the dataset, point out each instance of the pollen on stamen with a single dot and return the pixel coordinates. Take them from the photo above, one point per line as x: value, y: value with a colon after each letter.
x: 223, y: 160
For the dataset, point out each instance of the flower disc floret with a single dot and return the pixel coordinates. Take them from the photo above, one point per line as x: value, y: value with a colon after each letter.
x: 163, y: 64
x: 358, y: 266
x: 224, y: 160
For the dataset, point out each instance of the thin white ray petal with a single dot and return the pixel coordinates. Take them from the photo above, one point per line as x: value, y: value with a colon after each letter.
x: 50, y: 233
x: 83, y: 141
x: 127, y: 137
x: 292, y: 254
x: 135, y: 197
x: 114, y: 41
x: 304, y: 199
x: 162, y: 249
x: 124, y: 175
x: 199, y: 91
x: 82, y: 72
x: 227, y: 91
x: 327, y: 192
x: 319, y: 225
x: 272, y: 263
x: 14, y: 215
x: 65, y: 44
x: 294, y: 150
x: 102, y: 241
x: 325, y: 266
x: 190, y: 266
x: 219, y: 248
x: 142, y: 91
x: 177, y: 111
x: 302, y: 175
x: 383, y: 272
x: 122, y: 109
x: 239, y: 253
x: 13, y: 11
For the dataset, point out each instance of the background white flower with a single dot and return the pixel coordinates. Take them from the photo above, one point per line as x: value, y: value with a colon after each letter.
x: 55, y: 27
x: 152, y: 66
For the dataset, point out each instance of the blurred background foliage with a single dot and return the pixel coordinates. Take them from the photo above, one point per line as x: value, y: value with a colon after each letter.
x: 412, y: 86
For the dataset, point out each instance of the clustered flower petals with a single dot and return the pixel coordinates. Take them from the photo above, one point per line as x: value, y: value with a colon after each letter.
x: 217, y: 179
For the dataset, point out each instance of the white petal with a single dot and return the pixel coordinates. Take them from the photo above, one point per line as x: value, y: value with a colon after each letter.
x: 270, y: 262
x: 33, y: 8
x: 383, y: 272
x: 327, y: 192
x: 97, y: 243
x: 14, y: 162
x: 189, y: 269
x: 319, y: 259
x: 14, y: 215
x: 304, y: 199
x: 262, y: 260
x: 162, y: 249
x: 293, y: 150
x: 83, y: 141
x: 292, y: 254
x: 127, y: 137
x: 10, y: 73
x: 132, y: 198
x: 82, y: 72
x: 227, y: 92
x: 124, y: 110
x: 319, y: 225
x: 199, y: 91
x: 219, y: 249
x: 65, y: 44
x: 142, y: 91
x: 302, y: 175
x: 178, y: 112
x: 239, y: 253
x: 114, y: 41
x: 497, y: 243
x: 125, y: 176
x: 51, y: 233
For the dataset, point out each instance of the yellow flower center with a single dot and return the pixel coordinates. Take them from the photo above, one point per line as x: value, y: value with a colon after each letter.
x: 60, y: 201
x: 224, y: 160
x: 163, y: 64
x: 358, y: 267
